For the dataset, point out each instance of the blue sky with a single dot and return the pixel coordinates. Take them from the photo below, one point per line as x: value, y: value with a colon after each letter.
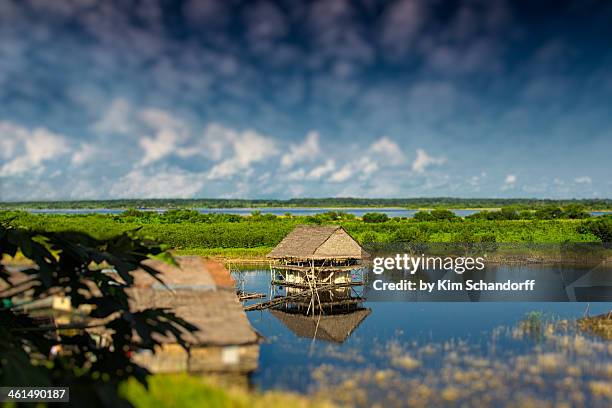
x: 263, y: 99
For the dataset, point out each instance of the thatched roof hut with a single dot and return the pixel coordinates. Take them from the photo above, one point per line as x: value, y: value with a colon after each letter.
x: 332, y: 328
x: 318, y: 243
x: 202, y: 292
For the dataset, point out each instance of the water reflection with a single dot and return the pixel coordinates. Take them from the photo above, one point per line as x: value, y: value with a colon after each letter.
x: 374, y: 351
x: 328, y: 310
x: 334, y: 327
x: 553, y: 283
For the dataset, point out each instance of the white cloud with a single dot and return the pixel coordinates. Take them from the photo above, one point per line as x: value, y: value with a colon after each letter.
x: 160, y: 133
x: 305, y: 152
x: 509, y: 182
x: 390, y: 151
x: 24, y: 150
x: 159, y: 146
x: 367, y: 167
x: 423, y: 161
x: 117, y: 118
x: 169, y: 130
x: 216, y: 141
x: 322, y: 170
x: 476, y: 180
x: 86, y: 152
x: 362, y: 169
x: 583, y: 180
x: 248, y: 147
x: 139, y: 183
x: 296, y: 175
x: 342, y: 175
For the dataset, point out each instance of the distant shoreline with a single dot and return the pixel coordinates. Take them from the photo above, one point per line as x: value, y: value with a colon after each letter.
x: 102, y: 210
x: 332, y: 204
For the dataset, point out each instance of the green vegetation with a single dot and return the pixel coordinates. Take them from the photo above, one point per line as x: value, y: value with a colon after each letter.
x: 183, y: 390
x: 548, y: 212
x: 336, y: 202
x: 42, y: 352
x: 234, y: 236
x: 600, y: 227
x: 375, y: 217
x: 436, y: 215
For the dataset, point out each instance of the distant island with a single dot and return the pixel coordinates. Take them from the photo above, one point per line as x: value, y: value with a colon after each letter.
x: 331, y: 202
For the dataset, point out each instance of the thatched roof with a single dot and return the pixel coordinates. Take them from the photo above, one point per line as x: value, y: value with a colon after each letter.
x: 333, y: 328
x: 200, y: 291
x: 318, y: 242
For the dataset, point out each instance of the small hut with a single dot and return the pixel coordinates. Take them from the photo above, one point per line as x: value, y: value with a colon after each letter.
x: 317, y: 267
x: 316, y: 254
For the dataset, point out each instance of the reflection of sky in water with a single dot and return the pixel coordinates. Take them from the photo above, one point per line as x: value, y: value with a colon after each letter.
x: 552, y: 283
x: 287, y: 361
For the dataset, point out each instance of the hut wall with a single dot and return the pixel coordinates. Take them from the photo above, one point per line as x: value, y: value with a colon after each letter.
x: 299, y: 277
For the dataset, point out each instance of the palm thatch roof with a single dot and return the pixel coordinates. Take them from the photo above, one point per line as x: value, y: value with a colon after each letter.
x: 318, y: 242
x: 332, y: 328
x: 200, y: 291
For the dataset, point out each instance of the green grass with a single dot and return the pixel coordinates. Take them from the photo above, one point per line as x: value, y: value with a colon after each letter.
x: 235, y: 253
x: 183, y: 390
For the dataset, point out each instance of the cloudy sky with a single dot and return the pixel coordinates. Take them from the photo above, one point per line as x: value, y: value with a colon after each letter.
x: 264, y: 99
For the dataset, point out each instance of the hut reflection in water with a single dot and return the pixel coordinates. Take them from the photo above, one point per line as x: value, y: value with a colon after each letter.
x: 317, y: 283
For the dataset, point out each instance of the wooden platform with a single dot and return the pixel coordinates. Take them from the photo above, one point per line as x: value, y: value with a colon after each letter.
x: 202, y: 292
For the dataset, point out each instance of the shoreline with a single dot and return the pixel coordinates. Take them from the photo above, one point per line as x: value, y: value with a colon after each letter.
x: 288, y: 207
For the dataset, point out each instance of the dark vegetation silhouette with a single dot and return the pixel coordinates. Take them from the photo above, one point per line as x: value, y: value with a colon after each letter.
x: 39, y: 353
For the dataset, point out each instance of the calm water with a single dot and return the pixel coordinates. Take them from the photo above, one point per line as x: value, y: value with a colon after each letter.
x: 391, y: 212
x: 427, y: 333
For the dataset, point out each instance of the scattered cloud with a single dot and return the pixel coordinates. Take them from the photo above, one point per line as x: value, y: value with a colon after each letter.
x: 509, y: 182
x: 25, y: 150
x: 249, y: 147
x: 342, y: 174
x: 360, y: 169
x: 304, y: 152
x: 322, y: 170
x: 423, y: 161
x: 116, y: 119
x: 228, y: 106
x: 583, y: 180
x: 86, y: 152
x: 169, y: 132
x: 158, y: 183
x: 387, y: 150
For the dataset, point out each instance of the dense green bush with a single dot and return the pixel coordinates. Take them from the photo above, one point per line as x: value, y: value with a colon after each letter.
x: 423, y: 216
x: 506, y: 213
x: 375, y: 217
x: 575, y: 211
x: 549, y: 213
x: 435, y: 215
x: 230, y: 231
x: 601, y: 228
x: 442, y: 214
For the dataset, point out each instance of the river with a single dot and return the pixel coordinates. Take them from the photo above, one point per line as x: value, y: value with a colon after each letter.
x: 380, y: 350
x: 295, y: 211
